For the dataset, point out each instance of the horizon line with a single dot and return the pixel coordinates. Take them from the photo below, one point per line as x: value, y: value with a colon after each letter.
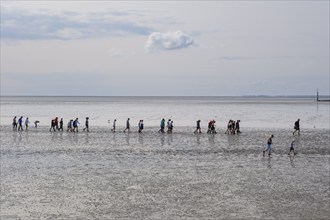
x: 310, y: 96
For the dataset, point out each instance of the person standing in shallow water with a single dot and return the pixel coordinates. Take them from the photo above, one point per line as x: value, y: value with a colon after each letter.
x: 198, y: 127
x: 141, y: 126
x: 269, y: 146
x: 114, y: 126
x: 297, y: 127
x: 127, y: 126
x: 14, y: 124
x: 162, y: 126
x: 169, y: 126
x: 54, y: 124
x: 20, y: 124
x: 86, y: 124
x: 36, y: 123
x: 292, y: 148
x: 27, y: 122
x: 70, y: 125
x: 61, y: 124
x: 75, y: 125
x: 237, y: 127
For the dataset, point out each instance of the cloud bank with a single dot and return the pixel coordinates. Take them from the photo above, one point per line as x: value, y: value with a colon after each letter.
x: 23, y: 25
x: 172, y: 40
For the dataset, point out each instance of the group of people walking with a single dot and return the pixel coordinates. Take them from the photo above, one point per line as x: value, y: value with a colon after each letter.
x: 128, y: 125
x: 55, y: 124
x: 18, y: 124
x: 72, y: 126
x: 233, y: 127
x: 293, y: 143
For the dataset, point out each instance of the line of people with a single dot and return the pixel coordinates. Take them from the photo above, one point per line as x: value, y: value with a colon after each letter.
x: 18, y: 124
x: 233, y: 127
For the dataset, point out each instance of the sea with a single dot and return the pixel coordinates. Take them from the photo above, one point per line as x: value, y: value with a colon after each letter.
x: 253, y: 112
x: 115, y: 175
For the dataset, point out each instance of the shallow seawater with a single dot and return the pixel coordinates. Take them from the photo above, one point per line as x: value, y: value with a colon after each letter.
x: 163, y: 176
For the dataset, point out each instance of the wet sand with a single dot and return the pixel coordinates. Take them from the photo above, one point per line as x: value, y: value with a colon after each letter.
x: 103, y: 175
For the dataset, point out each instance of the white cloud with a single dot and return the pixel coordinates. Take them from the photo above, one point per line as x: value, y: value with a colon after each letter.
x: 172, y: 40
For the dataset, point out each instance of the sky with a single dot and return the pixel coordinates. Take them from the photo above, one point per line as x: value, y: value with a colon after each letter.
x: 164, y: 48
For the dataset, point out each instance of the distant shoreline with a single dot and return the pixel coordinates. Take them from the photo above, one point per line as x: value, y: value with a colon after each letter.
x: 219, y: 96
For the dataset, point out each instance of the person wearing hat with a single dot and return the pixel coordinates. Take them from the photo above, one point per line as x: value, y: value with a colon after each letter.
x: 86, y: 124
x: 269, y: 145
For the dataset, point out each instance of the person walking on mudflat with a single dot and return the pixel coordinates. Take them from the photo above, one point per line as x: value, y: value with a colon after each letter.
x: 127, y: 126
x: 86, y: 124
x: 61, y: 124
x: 297, y: 127
x: 70, y: 125
x: 162, y: 126
x: 237, y: 127
x: 269, y: 146
x: 198, y: 127
x: 75, y: 125
x: 20, y: 124
x: 292, y: 148
x: 14, y: 124
x: 27, y: 122
x: 114, y: 126
x: 54, y: 124
x: 140, y: 126
x: 169, y: 126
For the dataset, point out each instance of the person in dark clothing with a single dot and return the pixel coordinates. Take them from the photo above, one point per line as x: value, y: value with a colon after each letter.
x: 213, y: 127
x: 54, y: 124
x: 292, y: 148
x: 36, y: 124
x: 127, y: 126
x: 297, y: 127
x: 86, y: 124
x: 237, y: 127
x: 162, y: 126
x: 269, y: 145
x: 209, y: 127
x: 75, y: 125
x: 114, y: 126
x: 198, y: 127
x: 20, y: 124
x: 14, y: 124
x: 61, y: 124
x: 141, y: 126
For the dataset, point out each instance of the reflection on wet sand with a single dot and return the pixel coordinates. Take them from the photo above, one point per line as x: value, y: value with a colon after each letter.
x: 188, y: 175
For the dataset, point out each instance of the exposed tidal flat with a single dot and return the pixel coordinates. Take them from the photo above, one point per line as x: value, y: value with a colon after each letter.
x: 104, y: 175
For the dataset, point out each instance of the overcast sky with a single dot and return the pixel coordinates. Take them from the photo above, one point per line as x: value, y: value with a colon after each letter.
x: 217, y: 48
